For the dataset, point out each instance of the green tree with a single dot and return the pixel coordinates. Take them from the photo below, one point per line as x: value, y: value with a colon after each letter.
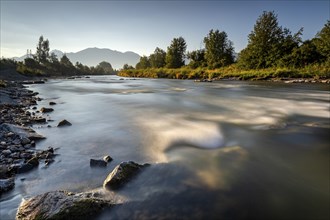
x: 268, y: 43
x: 127, y: 67
x: 66, y: 66
x: 176, y: 53
x: 31, y: 63
x: 197, y: 58
x: 104, y: 68
x: 219, y: 49
x: 42, y: 52
x: 323, y: 41
x: 53, y: 58
x: 65, y: 61
x: 304, y: 55
x: 144, y: 63
x: 157, y: 59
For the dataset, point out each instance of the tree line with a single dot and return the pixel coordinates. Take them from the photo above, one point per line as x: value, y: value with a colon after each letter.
x: 44, y: 63
x: 269, y: 46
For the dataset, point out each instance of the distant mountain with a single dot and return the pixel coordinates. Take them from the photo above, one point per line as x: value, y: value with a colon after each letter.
x: 93, y: 56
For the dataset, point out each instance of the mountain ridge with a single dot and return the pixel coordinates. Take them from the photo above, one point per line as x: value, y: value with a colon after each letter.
x: 92, y: 56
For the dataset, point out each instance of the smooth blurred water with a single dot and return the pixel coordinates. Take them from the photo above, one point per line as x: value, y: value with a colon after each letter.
x: 221, y: 150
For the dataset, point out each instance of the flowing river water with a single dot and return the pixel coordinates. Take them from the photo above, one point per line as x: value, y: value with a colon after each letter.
x: 221, y: 150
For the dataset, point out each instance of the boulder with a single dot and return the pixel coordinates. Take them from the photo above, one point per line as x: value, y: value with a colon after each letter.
x: 46, y: 110
x: 97, y: 163
x: 6, y: 184
x: 64, y: 123
x: 121, y: 174
x: 62, y: 205
x: 52, y: 103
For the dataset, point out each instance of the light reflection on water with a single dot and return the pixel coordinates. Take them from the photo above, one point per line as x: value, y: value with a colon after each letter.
x: 235, y: 150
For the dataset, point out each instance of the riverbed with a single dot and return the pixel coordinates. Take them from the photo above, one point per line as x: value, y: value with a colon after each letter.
x: 227, y: 149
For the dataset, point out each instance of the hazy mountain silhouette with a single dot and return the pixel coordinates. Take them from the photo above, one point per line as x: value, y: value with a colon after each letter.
x: 93, y: 56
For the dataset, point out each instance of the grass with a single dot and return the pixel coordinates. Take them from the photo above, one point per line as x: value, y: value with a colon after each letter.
x: 232, y: 71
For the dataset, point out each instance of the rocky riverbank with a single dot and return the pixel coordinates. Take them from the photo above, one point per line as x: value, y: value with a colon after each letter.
x: 18, y: 153
x: 84, y: 205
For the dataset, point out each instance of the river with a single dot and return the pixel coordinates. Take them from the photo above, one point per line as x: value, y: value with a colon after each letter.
x: 221, y: 150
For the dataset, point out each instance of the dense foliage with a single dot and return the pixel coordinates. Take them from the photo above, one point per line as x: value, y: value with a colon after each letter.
x: 219, y: 51
x: 176, y: 53
x: 270, y: 45
x: 272, y: 51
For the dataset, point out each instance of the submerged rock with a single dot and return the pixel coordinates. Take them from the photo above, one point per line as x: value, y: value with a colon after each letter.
x: 97, y: 163
x: 46, y: 110
x: 121, y: 174
x: 64, y: 123
x: 61, y: 205
x: 6, y: 184
x: 52, y: 103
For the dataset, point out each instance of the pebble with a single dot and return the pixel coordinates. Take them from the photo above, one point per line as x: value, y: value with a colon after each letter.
x: 6, y: 152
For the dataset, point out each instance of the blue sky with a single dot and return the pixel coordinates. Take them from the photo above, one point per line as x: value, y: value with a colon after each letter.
x: 141, y: 26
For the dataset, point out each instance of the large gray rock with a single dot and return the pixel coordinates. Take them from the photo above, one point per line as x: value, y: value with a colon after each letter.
x: 62, y: 205
x: 121, y: 174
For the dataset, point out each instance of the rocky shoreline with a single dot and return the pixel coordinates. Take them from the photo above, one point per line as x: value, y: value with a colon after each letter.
x: 18, y: 153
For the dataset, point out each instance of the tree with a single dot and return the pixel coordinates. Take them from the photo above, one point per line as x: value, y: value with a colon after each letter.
x: 144, y: 63
x: 31, y: 63
x: 66, y: 66
x: 323, y: 41
x: 127, y: 67
x: 268, y: 43
x: 197, y: 58
x: 219, y: 50
x: 157, y: 59
x: 65, y: 61
x: 104, y: 68
x: 42, y: 53
x: 53, y: 58
x: 176, y: 53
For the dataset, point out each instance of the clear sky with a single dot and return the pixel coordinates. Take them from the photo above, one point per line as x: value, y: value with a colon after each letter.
x: 141, y: 26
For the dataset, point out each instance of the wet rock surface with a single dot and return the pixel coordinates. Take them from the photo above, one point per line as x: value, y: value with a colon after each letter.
x: 17, y: 139
x: 46, y: 110
x: 97, y: 163
x: 62, y: 205
x: 64, y: 122
x: 121, y: 174
x: 85, y: 205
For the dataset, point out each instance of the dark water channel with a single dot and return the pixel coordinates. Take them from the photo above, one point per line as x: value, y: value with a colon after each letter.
x: 221, y: 150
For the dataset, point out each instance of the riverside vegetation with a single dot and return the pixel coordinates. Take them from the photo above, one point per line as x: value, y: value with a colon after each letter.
x: 272, y: 52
